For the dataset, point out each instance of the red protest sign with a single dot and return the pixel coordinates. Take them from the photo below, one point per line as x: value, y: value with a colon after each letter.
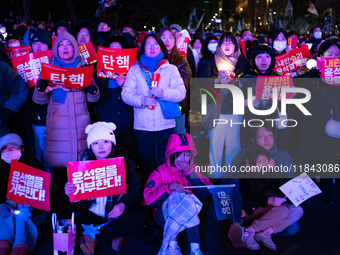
x: 112, y: 62
x: 182, y: 45
x: 265, y: 85
x: 14, y: 52
x: 330, y: 70
x: 295, y: 60
x: 29, y: 65
x: 74, y: 78
x: 292, y: 43
x: 97, y: 178
x: 88, y: 53
x: 26, y: 183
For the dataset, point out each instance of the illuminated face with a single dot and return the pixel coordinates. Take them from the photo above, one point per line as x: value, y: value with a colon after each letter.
x: 61, y: 30
x: 152, y: 48
x: 280, y: 38
x: 247, y: 36
x: 228, y: 46
x: 197, y: 44
x: 264, y: 138
x: 83, y: 36
x: 332, y: 52
x: 39, y: 46
x: 65, y: 51
x: 127, y: 30
x: 13, y: 43
x: 101, y: 148
x: 263, y: 61
x: 184, y: 157
x: 168, y: 40
x: 103, y: 27
x: 115, y: 45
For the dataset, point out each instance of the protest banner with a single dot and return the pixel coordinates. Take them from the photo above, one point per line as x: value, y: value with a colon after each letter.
x: 295, y: 60
x: 265, y: 85
x: 88, y: 53
x: 14, y: 52
x: 115, y: 62
x: 330, y: 70
x: 97, y: 178
x: 29, y: 184
x: 300, y: 189
x: 29, y: 66
x: 292, y: 43
x: 74, y: 78
x: 182, y: 45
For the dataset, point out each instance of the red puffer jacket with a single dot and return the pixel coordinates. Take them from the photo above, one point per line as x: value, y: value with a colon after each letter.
x: 156, y: 190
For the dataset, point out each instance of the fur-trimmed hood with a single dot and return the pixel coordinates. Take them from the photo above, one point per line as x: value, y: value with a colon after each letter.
x: 90, y: 26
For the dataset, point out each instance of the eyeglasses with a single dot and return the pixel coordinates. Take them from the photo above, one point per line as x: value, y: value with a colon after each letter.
x: 263, y: 137
x: 170, y: 38
x: 149, y: 45
x: 84, y: 34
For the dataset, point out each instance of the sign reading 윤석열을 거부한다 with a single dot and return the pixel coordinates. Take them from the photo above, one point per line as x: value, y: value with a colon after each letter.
x: 97, y: 178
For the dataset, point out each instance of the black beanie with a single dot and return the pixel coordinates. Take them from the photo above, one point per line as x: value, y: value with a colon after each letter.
x: 42, y: 36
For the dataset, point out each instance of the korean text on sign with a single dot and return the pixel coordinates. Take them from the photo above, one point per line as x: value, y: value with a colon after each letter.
x: 330, y: 70
x: 14, y: 52
x: 182, y: 45
x: 88, y: 53
x: 29, y: 184
x: 29, y: 66
x: 113, y: 62
x: 97, y: 178
x: 295, y: 60
x: 74, y: 78
x: 222, y: 197
x: 265, y: 85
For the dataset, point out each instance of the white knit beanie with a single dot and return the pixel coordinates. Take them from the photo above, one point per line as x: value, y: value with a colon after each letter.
x: 100, y: 130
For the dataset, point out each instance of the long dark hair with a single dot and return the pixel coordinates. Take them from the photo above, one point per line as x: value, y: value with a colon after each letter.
x: 175, y: 55
x: 275, y: 33
x: 264, y: 49
x: 158, y: 40
x: 231, y: 36
x: 327, y: 44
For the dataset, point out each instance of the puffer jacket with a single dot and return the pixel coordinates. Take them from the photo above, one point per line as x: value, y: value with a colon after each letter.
x: 157, y: 187
x: 65, y: 123
x: 135, y: 88
x: 185, y: 72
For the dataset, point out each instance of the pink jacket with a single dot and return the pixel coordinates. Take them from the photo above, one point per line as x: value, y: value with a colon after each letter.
x: 157, y: 191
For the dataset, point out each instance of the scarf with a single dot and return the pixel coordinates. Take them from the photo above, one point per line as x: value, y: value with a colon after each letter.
x: 59, y: 94
x: 151, y: 63
x: 229, y: 62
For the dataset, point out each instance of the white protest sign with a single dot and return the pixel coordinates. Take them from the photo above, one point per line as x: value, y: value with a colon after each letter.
x: 299, y: 189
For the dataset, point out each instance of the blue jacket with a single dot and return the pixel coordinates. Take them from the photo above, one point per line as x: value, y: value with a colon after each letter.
x: 13, y: 92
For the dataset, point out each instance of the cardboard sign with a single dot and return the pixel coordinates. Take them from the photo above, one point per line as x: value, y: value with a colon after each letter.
x: 182, y: 45
x: 294, y: 61
x: 112, y: 62
x: 88, y: 53
x: 97, y: 178
x: 29, y: 65
x: 265, y: 85
x: 292, y: 43
x: 74, y: 78
x: 14, y: 52
x: 330, y: 70
x: 299, y: 189
x: 222, y: 201
x: 26, y: 183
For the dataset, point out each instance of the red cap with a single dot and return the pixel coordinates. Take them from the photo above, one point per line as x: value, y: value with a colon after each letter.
x: 141, y: 36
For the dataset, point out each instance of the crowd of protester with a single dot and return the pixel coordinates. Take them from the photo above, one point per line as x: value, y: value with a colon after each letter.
x: 47, y: 127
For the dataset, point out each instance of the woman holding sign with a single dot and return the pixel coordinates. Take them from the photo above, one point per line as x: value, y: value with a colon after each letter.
x: 151, y: 126
x: 264, y: 204
x: 122, y: 213
x: 16, y: 235
x: 67, y: 113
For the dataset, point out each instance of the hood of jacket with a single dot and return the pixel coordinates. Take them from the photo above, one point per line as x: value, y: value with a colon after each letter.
x: 26, y: 40
x: 177, y: 143
x: 73, y: 41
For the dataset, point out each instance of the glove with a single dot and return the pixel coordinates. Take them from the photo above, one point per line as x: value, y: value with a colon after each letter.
x: 276, y: 201
x: 156, y: 92
x: 92, y: 89
x: 6, y: 114
x: 41, y: 85
x: 148, y: 101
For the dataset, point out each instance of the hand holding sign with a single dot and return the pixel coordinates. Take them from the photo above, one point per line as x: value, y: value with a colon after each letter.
x: 117, y: 210
x: 70, y: 188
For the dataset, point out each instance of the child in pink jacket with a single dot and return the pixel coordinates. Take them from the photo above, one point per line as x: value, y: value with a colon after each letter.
x: 177, y: 172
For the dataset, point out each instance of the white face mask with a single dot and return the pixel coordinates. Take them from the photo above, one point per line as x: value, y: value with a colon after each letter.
x: 8, y: 156
x: 318, y: 35
x: 212, y: 47
x: 16, y: 44
x: 279, y: 45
